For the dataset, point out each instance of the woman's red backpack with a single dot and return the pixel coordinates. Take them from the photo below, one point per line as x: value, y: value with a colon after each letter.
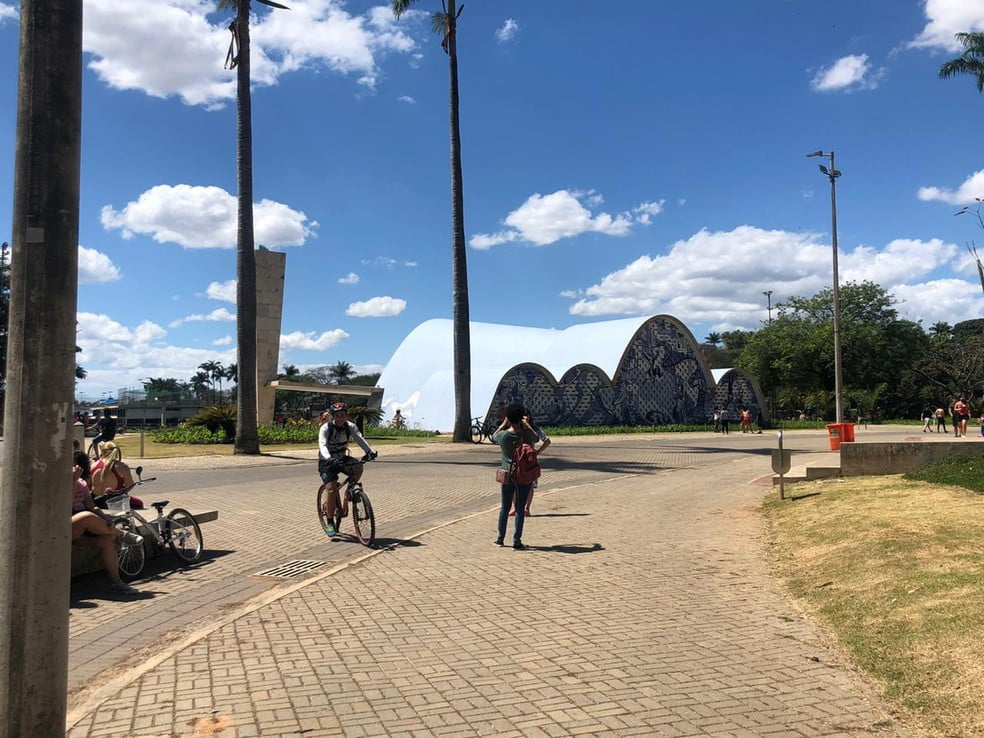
x: 525, y: 468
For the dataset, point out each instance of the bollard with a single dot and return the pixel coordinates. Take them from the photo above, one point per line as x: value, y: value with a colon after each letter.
x: 781, y: 461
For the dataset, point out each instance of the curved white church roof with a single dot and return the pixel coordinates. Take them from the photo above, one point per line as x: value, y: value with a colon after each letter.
x: 419, y: 378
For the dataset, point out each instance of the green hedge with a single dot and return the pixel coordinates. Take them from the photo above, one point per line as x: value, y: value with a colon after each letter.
x: 269, y: 435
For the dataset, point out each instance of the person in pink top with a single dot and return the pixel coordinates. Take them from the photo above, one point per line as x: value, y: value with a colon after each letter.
x: 91, y: 528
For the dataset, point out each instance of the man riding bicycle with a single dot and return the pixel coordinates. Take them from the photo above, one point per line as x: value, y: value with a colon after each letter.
x: 333, y: 439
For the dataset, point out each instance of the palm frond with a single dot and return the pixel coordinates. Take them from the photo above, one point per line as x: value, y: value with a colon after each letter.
x: 401, y: 6
x: 273, y: 4
x: 439, y: 23
x: 972, y: 42
x: 223, y: 4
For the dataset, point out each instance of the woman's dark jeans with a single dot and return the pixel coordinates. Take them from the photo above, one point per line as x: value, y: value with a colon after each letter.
x: 521, y: 492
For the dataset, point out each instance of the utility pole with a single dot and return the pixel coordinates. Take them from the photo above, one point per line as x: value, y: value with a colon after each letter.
x: 35, y: 538
x: 832, y: 174
x: 768, y: 297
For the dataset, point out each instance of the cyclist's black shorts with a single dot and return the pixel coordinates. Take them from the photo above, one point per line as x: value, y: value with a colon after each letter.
x: 330, y: 468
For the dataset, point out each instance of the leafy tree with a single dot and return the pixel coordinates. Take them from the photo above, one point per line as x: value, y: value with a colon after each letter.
x: 365, y: 380
x: 290, y: 371
x: 970, y: 62
x: 445, y: 23
x: 247, y: 439
x: 162, y: 388
x: 793, y: 357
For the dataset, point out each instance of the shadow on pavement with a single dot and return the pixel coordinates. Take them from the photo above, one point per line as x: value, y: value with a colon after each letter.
x: 557, y: 515
x: 394, y: 543
x: 568, y: 548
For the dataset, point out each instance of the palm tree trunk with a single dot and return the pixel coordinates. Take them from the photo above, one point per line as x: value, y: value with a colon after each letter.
x: 247, y: 440
x: 459, y: 267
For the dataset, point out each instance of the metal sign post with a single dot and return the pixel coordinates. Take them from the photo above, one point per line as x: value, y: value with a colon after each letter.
x: 781, y: 461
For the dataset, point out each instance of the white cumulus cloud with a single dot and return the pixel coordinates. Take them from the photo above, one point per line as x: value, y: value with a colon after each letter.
x: 312, y: 341
x: 128, y: 42
x: 377, y: 307
x: 717, y: 278
x: 224, y: 341
x: 972, y: 187
x: 507, y: 32
x: 350, y: 278
x: 95, y: 266
x: 224, y: 291
x: 545, y: 219
x: 204, y: 217
x: 7, y: 13
x: 219, y: 314
x: 848, y: 73
x: 946, y: 18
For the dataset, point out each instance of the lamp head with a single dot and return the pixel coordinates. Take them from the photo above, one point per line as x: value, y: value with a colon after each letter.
x: 815, y: 153
x: 824, y: 170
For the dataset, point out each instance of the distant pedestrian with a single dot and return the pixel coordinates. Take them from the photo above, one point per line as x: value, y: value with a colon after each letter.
x: 724, y: 420
x: 927, y: 419
x: 940, y: 415
x: 544, y: 442
x: 717, y: 420
x: 981, y: 420
x: 961, y: 414
x: 746, y: 420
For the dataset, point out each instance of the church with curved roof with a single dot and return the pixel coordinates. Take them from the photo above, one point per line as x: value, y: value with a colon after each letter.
x: 632, y: 371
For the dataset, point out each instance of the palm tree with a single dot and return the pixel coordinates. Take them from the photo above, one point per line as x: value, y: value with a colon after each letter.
x: 341, y: 372
x: 211, y: 368
x: 247, y: 438
x: 290, y: 372
x: 199, y: 384
x: 940, y: 331
x: 713, y: 338
x: 446, y: 24
x: 971, y: 61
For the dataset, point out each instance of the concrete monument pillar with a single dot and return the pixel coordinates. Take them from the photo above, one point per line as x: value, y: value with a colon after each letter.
x: 270, y: 270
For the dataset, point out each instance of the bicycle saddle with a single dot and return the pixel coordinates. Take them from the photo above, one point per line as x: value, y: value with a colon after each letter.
x: 159, y: 505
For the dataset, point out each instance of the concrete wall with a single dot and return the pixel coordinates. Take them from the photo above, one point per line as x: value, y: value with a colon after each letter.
x: 860, y: 459
x: 270, y: 268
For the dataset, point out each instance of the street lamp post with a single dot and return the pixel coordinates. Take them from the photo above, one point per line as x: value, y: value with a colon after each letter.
x: 832, y: 174
x: 768, y: 296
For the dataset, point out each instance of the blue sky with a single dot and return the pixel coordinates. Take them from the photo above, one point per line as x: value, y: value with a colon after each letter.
x: 633, y: 159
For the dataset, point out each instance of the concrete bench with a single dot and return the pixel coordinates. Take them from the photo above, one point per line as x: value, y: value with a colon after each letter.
x: 86, y: 559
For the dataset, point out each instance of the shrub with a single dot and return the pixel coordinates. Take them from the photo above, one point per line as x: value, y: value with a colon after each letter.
x: 216, y: 418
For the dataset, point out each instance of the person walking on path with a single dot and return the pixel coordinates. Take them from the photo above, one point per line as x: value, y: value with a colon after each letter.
x: 940, y: 420
x: 961, y: 414
x: 927, y: 418
x: 512, y: 432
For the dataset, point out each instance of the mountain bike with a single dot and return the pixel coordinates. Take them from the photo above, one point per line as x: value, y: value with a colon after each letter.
x: 178, y: 530
x: 363, y: 518
x: 480, y: 430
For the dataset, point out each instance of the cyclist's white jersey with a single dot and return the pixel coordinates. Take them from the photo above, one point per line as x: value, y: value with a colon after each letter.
x: 333, y: 440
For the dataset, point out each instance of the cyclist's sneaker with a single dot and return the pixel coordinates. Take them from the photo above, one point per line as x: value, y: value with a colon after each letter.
x: 330, y: 530
x: 499, y: 542
x: 519, y: 546
x: 123, y: 588
x: 132, y: 539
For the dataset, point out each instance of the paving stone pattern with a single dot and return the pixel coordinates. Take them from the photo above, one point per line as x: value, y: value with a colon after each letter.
x: 644, y: 607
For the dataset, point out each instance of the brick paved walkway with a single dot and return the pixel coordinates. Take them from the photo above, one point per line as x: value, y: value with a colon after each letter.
x: 644, y: 607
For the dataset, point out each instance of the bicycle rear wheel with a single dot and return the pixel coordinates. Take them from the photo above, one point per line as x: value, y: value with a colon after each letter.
x: 184, y: 535
x: 132, y: 555
x: 363, y: 517
x: 476, y: 433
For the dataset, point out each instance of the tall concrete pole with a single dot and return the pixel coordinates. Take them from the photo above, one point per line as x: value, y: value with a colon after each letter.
x: 35, y: 487
x: 838, y: 356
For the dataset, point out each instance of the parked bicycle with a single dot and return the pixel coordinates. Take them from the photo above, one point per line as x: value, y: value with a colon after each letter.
x: 481, y: 430
x: 363, y: 518
x: 178, y: 530
x: 94, y: 451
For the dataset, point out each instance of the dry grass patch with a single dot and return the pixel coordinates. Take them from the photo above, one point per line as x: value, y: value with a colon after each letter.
x: 894, y: 569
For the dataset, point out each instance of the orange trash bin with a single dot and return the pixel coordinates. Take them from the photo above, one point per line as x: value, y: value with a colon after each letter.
x: 834, y: 433
x: 847, y: 432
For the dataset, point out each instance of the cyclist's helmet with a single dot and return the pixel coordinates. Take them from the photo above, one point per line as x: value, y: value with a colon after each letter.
x: 337, y: 407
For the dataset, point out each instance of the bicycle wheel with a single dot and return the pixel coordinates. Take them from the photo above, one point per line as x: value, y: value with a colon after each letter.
x: 93, y: 452
x: 476, y: 433
x: 184, y: 535
x: 362, y: 517
x: 132, y: 555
